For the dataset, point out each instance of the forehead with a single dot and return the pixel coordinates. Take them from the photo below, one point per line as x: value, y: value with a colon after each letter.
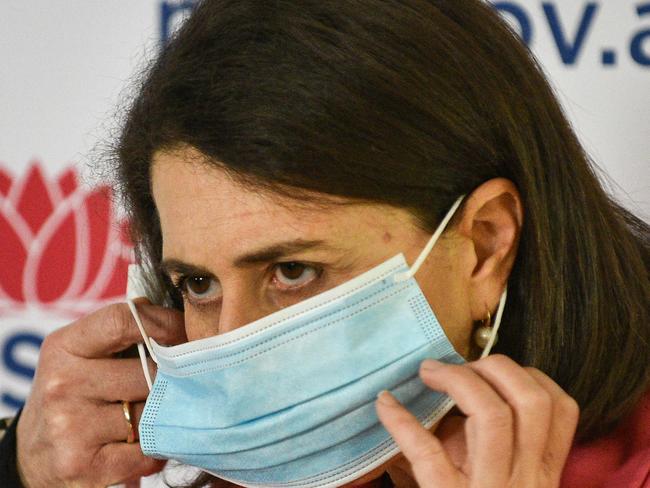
x: 199, y: 203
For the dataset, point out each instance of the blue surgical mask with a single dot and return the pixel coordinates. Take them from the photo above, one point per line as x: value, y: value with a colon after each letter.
x: 288, y: 400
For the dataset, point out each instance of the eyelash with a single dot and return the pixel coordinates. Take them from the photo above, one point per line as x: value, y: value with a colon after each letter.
x: 178, y: 282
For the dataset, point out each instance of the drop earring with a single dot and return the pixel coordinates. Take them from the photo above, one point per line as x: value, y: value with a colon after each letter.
x: 484, y: 331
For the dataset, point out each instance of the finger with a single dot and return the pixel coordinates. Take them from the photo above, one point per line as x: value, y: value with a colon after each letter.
x: 113, y: 329
x: 532, y: 408
x: 489, y: 419
x: 429, y: 461
x: 563, y: 424
x: 110, y: 424
x: 114, y: 380
x: 451, y: 434
x: 120, y: 462
x: 113, y: 426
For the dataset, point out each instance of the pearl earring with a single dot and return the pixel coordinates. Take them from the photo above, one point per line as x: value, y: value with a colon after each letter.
x: 483, y: 333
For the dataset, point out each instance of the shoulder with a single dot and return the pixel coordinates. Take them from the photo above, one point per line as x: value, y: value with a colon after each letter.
x: 620, y: 458
x: 8, y: 468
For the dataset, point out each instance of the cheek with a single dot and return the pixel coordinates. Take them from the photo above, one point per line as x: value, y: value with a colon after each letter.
x: 200, y: 324
x: 447, y: 294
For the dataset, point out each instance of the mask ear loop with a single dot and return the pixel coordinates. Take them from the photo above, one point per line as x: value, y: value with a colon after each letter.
x: 497, y: 323
x: 135, y: 288
x: 427, y: 249
x: 147, y: 342
x: 425, y: 252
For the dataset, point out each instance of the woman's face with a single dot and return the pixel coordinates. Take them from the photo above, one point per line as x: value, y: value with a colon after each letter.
x: 239, y: 254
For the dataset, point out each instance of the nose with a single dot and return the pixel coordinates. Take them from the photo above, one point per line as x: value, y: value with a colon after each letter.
x: 239, y: 309
x: 239, y: 306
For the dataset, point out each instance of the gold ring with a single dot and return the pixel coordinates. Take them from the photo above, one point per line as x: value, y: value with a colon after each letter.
x: 126, y: 409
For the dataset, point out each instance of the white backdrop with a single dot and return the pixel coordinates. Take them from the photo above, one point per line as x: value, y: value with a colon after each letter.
x: 65, y: 63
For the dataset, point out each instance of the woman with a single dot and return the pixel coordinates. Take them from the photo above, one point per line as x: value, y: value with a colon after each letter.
x: 276, y: 151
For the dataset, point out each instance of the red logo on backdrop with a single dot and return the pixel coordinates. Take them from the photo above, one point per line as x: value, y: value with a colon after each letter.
x: 62, y: 245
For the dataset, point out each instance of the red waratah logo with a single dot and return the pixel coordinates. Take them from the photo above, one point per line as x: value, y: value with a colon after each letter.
x: 62, y: 246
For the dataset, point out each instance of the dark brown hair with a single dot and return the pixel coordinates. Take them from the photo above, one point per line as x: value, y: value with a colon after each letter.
x: 410, y: 103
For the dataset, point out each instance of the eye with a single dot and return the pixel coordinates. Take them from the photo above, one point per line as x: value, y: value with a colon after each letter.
x: 293, y: 275
x: 199, y: 287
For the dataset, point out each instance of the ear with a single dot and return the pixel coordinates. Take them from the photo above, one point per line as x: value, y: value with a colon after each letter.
x: 492, y: 219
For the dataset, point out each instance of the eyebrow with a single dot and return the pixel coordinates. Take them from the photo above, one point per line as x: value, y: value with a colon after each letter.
x: 263, y: 255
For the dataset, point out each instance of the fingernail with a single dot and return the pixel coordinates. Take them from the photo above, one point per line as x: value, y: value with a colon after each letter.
x: 386, y: 398
x: 430, y: 364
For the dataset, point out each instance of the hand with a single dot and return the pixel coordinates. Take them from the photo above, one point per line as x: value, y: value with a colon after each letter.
x: 72, y: 430
x: 517, y: 432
